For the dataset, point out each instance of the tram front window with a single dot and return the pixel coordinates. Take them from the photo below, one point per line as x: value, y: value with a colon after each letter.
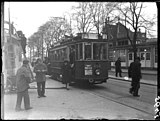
x: 99, y: 51
x: 87, y: 51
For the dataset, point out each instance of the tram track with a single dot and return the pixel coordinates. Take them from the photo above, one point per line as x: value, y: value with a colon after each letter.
x: 121, y: 97
x: 122, y: 103
x: 142, y: 84
x: 110, y: 92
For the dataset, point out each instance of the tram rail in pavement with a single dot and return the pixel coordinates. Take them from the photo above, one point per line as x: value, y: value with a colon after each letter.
x: 142, y: 81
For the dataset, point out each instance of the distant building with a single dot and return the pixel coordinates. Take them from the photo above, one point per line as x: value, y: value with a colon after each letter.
x: 11, y: 53
x: 120, y: 46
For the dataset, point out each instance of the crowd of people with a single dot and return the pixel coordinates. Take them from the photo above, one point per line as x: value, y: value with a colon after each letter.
x: 23, y: 78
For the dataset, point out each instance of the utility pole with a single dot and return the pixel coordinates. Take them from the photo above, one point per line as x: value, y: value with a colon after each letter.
x: 42, y: 46
x: 107, y: 25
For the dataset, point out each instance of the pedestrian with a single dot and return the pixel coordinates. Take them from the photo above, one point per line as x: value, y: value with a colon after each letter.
x: 40, y: 69
x: 66, y: 73
x: 118, y: 67
x: 72, y: 62
x: 135, y: 73
x: 23, y: 78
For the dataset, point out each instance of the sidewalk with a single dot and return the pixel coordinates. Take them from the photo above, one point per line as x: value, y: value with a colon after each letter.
x: 68, y: 104
x: 143, y: 81
x: 148, y: 77
x: 148, y: 72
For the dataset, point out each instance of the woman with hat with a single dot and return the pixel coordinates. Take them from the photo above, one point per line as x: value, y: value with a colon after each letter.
x: 66, y: 71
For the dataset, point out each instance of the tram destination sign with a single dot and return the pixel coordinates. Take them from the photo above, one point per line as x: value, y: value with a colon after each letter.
x: 88, y: 70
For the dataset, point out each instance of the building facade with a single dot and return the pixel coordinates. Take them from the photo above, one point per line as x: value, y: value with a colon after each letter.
x: 120, y: 46
x: 11, y: 54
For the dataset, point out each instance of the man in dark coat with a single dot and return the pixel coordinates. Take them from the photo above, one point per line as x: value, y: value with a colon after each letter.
x: 118, y: 67
x: 40, y: 69
x: 66, y: 73
x: 23, y: 78
x: 135, y: 74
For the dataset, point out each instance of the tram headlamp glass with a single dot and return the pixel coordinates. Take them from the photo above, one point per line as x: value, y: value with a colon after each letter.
x: 97, y: 71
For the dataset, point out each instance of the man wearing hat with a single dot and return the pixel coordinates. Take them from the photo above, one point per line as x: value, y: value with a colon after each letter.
x: 135, y: 74
x: 23, y: 78
x: 40, y: 69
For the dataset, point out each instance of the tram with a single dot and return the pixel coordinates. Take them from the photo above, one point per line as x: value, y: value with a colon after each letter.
x: 88, y: 59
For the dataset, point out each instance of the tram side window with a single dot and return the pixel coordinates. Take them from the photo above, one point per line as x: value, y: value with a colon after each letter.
x: 64, y: 53
x: 56, y: 55
x: 59, y: 55
x: 99, y: 51
x: 76, y: 51
x: 50, y: 55
x: 104, y: 51
x: 87, y: 51
x: 96, y: 51
x: 72, y: 54
x: 80, y: 52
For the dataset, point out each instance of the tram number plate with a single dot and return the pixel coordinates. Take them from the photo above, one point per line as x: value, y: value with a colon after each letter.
x: 88, y: 70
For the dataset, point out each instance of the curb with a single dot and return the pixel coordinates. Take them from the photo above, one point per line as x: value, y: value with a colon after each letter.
x: 141, y: 72
x: 130, y: 81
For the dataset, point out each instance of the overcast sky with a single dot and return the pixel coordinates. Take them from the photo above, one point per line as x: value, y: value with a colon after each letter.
x: 28, y: 16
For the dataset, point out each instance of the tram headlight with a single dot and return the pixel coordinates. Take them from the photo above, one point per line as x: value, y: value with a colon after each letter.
x: 97, y: 71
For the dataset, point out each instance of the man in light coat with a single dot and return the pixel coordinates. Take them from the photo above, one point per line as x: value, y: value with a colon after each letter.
x: 40, y: 69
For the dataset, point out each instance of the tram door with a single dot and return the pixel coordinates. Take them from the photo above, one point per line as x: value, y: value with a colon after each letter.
x: 145, y: 59
x: 130, y: 58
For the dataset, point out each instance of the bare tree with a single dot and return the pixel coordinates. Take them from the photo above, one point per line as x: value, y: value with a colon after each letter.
x: 100, y: 11
x: 131, y: 14
x: 83, y: 17
x: 59, y: 27
x: 34, y: 41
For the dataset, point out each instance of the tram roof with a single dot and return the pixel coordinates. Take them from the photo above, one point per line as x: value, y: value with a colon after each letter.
x: 77, y: 40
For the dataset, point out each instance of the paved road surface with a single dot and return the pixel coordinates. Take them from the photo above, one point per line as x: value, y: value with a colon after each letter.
x: 78, y: 103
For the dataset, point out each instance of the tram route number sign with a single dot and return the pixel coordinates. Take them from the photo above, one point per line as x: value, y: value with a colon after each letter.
x: 88, y: 70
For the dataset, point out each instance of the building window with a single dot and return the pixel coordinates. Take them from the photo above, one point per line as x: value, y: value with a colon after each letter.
x: 122, y: 54
x: 110, y: 44
x: 147, y: 56
x: 156, y: 59
x: 142, y: 56
x: 11, y: 57
x: 126, y: 42
x: 130, y: 56
x: 145, y: 49
x: 20, y: 56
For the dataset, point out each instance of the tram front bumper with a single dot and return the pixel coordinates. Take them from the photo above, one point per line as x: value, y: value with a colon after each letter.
x: 99, y: 81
